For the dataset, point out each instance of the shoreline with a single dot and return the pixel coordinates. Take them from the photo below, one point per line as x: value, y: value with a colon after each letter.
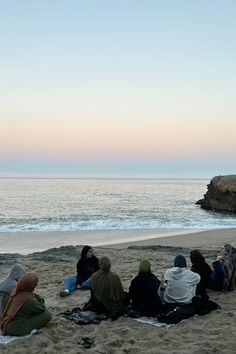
x: 26, y: 243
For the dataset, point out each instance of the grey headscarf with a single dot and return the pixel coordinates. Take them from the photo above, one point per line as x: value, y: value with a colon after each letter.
x: 232, y: 254
x: 8, y: 284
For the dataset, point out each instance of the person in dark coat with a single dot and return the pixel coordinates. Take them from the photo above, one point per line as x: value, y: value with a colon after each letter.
x: 143, y: 291
x: 200, y: 266
x: 86, y: 266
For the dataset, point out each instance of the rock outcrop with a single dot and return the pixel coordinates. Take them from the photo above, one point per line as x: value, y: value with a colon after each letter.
x: 221, y: 194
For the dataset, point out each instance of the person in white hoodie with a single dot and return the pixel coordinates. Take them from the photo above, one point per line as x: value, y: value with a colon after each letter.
x: 181, y: 283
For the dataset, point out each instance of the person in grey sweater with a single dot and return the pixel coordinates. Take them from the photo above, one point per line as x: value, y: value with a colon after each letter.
x: 8, y: 284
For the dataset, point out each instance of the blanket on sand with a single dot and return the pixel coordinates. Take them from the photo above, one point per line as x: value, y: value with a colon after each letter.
x: 8, y: 339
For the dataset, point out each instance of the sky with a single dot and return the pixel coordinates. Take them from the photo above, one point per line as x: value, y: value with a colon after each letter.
x: 122, y: 88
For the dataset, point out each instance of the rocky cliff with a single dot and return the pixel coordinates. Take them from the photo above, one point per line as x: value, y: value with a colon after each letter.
x: 220, y: 195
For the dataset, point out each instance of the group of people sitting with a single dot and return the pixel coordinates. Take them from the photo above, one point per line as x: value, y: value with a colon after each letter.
x: 21, y: 310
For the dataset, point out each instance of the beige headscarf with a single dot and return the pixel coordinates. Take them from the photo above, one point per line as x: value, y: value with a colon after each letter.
x: 19, y: 295
x: 106, y: 286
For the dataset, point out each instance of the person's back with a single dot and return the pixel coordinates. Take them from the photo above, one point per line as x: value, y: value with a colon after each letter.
x: 200, y: 266
x: 106, y: 286
x: 143, y: 291
x: 8, y: 284
x: 181, y: 283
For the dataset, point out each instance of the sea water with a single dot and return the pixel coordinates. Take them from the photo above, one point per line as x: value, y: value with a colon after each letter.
x: 105, y: 204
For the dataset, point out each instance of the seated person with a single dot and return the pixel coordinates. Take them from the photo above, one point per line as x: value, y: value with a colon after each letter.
x: 143, y: 291
x: 8, y: 284
x: 223, y: 270
x: 232, y: 254
x: 200, y: 266
x: 181, y: 283
x: 86, y: 266
x: 106, y: 288
x: 25, y: 310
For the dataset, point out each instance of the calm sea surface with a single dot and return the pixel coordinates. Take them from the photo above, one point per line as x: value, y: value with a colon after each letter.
x: 98, y: 204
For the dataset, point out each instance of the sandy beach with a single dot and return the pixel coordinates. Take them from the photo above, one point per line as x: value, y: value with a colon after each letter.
x: 212, y: 333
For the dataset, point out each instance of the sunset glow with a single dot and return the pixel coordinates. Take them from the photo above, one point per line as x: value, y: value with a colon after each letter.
x: 127, y: 83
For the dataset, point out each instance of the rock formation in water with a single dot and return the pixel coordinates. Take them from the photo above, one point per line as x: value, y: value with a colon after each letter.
x: 221, y: 194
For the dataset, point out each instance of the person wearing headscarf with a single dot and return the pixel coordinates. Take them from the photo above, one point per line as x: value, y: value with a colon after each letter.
x: 106, y: 288
x: 8, y: 284
x: 200, y: 267
x: 181, y: 283
x: 143, y: 291
x: 223, y: 275
x: 25, y: 310
x: 86, y: 266
x: 232, y: 254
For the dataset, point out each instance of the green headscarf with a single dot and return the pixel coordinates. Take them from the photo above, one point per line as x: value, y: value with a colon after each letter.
x: 144, y: 266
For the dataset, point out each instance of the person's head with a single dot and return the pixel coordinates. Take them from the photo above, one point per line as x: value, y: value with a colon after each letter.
x: 27, y: 282
x: 105, y: 264
x: 87, y: 252
x: 226, y: 250
x: 180, y: 261
x: 196, y: 257
x: 16, y: 272
x: 144, y: 266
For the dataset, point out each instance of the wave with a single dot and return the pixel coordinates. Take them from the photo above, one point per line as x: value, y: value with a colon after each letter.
x: 73, y: 224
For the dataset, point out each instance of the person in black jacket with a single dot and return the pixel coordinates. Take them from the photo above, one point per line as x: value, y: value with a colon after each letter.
x: 86, y: 266
x: 200, y: 266
x: 143, y: 291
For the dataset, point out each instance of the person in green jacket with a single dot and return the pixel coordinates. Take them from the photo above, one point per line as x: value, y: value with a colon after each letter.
x: 25, y: 310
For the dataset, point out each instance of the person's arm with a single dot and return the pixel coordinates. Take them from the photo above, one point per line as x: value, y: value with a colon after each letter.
x: 217, y: 266
x: 194, y: 278
x: 131, y: 289
x: 79, y: 279
x: 34, y: 305
x: 39, y: 298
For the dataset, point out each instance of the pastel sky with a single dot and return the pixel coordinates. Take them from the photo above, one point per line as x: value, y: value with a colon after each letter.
x: 121, y: 88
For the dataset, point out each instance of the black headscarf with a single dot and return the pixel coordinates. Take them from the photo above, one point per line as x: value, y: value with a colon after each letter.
x: 200, y: 267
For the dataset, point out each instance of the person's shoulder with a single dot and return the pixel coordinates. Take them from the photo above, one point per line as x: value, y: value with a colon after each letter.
x: 115, y: 276
x: 168, y: 271
x: 153, y: 276
x: 192, y: 274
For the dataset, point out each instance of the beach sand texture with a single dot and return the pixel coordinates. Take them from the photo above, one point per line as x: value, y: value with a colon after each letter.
x: 212, y: 333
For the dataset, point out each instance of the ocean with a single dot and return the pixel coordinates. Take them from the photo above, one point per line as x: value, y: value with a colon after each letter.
x: 33, y: 205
